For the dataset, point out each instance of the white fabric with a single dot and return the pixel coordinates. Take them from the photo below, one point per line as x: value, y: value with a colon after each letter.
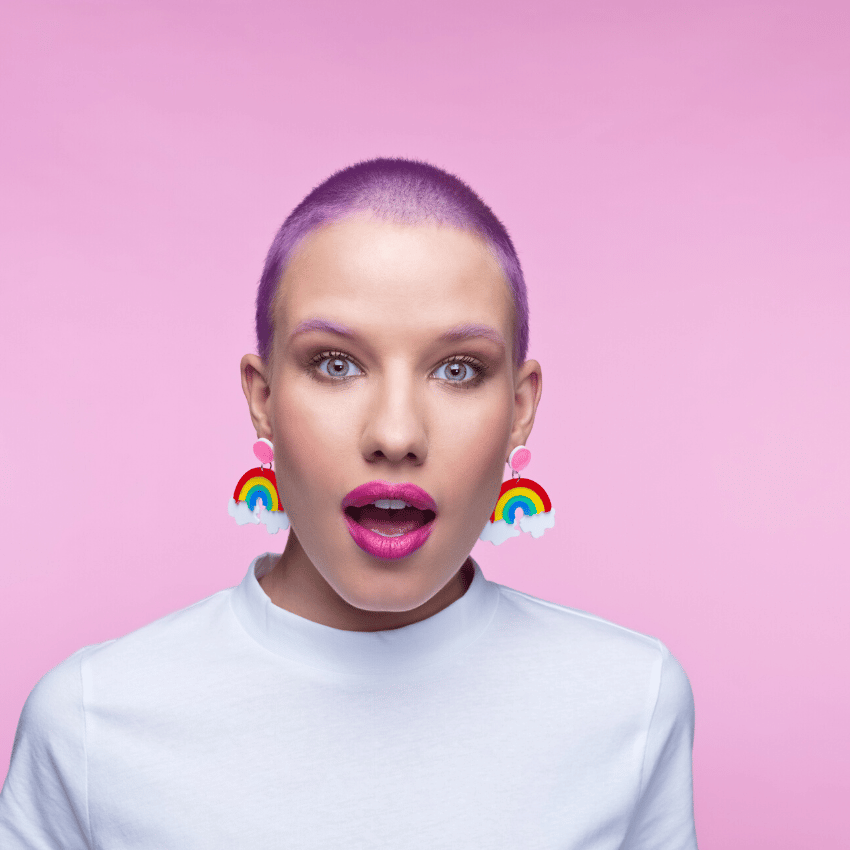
x: 502, y: 721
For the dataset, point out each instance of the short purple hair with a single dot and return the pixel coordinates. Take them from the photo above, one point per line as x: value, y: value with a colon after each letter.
x: 399, y: 190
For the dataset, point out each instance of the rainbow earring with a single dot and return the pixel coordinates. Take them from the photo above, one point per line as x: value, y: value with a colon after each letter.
x: 255, y: 498
x: 519, y: 494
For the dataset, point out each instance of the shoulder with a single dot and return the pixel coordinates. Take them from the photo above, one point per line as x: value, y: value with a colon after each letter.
x: 187, y: 628
x: 571, y: 627
x: 163, y: 655
x: 56, y: 700
x: 43, y: 801
x: 51, y: 729
x: 567, y: 641
x: 153, y: 654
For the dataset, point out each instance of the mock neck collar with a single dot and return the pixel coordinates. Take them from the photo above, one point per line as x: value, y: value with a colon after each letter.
x: 379, y: 653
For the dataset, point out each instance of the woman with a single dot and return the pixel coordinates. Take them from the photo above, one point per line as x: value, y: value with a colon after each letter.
x: 369, y: 687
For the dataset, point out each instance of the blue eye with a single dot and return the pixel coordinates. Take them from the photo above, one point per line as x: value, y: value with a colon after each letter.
x: 456, y: 371
x: 339, y: 367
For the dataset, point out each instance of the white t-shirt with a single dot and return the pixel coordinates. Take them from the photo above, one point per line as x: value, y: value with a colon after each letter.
x: 502, y: 721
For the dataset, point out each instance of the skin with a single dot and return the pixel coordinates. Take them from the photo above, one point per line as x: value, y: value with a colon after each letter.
x: 398, y: 289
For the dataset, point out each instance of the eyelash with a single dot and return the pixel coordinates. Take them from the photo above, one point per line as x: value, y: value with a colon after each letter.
x: 476, y: 365
x: 332, y: 355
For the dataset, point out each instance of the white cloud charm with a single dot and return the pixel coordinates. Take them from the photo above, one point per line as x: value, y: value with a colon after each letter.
x: 274, y: 521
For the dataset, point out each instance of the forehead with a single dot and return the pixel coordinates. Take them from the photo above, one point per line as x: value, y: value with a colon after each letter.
x: 386, y: 276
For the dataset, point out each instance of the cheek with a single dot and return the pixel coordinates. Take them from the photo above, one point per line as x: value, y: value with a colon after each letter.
x: 313, y: 434
x: 475, y: 448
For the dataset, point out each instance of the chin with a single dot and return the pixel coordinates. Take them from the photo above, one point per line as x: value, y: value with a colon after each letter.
x: 387, y: 587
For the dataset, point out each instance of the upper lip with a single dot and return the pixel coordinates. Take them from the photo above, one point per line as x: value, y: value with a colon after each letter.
x: 367, y: 493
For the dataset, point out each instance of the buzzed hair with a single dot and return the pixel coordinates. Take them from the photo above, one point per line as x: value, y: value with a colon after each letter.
x: 399, y: 190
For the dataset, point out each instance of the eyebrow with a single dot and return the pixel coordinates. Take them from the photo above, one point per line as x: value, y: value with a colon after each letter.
x: 455, y: 334
x: 471, y: 331
x: 322, y: 325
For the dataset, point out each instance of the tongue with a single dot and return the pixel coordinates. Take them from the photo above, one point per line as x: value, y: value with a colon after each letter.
x: 391, y: 523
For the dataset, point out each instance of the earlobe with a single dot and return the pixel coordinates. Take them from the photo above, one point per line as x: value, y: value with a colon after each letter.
x: 257, y: 391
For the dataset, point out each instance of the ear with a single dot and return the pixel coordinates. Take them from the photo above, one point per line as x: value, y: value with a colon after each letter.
x: 255, y: 385
x: 528, y: 386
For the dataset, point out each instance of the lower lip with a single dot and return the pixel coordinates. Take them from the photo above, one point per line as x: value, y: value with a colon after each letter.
x: 388, y: 548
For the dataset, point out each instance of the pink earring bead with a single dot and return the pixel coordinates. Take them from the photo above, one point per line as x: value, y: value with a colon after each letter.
x: 519, y: 458
x: 264, y: 450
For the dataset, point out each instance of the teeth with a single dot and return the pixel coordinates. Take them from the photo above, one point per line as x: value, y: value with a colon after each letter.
x: 391, y: 504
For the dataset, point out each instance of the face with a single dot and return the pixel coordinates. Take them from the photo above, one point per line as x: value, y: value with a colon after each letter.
x: 392, y: 402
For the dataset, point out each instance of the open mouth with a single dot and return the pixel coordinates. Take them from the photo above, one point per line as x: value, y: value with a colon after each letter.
x: 390, y: 517
x: 389, y: 520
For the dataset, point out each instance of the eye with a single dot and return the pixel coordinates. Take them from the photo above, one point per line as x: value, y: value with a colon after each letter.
x: 337, y: 366
x: 456, y: 371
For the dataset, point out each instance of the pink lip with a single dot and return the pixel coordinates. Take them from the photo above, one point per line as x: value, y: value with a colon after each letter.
x: 365, y: 494
x: 376, y: 544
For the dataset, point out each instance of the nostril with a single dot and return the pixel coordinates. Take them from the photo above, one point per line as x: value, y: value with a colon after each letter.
x: 410, y: 457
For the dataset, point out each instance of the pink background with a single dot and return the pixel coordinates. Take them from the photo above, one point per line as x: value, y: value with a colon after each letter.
x: 677, y: 180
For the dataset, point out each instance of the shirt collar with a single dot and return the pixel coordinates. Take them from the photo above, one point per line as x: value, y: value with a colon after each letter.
x: 393, y: 651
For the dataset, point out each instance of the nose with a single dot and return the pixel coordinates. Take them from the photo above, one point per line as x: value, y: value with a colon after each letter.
x: 395, y: 429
